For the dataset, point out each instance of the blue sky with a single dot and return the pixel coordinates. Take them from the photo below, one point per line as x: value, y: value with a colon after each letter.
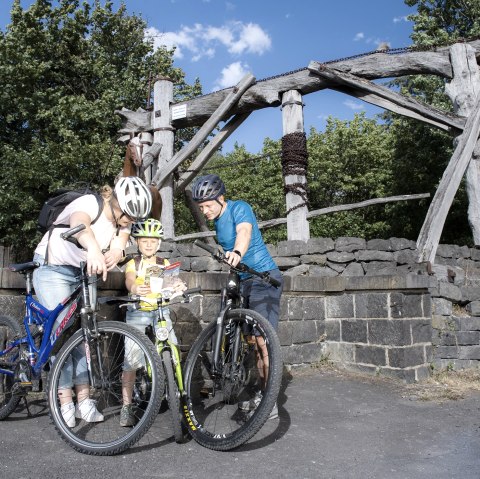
x: 220, y: 41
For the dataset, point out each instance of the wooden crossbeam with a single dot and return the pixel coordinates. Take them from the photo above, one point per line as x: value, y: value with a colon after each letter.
x: 432, y: 228
x: 385, y: 98
x: 168, y: 167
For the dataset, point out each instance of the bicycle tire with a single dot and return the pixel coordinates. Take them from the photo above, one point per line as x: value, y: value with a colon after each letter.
x: 173, y: 398
x: 213, y: 416
x: 108, y: 437
x: 9, y: 330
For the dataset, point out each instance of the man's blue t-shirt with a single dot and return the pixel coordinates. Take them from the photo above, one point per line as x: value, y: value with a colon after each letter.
x: 257, y: 256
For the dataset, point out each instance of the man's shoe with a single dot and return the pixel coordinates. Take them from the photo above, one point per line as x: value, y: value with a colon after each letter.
x: 251, y: 404
x: 87, y: 410
x: 127, y: 416
x: 68, y: 414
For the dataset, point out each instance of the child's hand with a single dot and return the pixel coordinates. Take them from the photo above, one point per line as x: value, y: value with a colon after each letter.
x: 141, y: 289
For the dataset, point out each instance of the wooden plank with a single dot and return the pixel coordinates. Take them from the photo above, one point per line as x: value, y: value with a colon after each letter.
x: 221, y: 111
x: 164, y: 135
x: 431, y: 231
x: 205, y: 155
x: 292, y: 120
x: 321, y: 211
x: 462, y: 91
x: 386, y: 98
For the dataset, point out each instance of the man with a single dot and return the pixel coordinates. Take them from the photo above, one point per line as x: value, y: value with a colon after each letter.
x: 238, y: 234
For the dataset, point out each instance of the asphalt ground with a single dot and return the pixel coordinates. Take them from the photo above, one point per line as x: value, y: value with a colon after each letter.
x: 332, y: 425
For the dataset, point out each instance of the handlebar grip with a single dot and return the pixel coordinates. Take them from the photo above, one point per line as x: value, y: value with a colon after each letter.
x: 206, y: 247
x: 274, y: 282
x: 72, y: 231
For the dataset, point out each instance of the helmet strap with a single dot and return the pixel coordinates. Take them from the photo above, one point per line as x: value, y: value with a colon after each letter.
x: 114, y: 217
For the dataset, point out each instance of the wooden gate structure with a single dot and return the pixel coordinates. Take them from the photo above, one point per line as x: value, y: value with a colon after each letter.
x: 353, y: 76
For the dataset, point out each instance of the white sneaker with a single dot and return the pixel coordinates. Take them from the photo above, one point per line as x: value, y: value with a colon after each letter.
x: 251, y: 404
x: 87, y: 410
x: 68, y: 414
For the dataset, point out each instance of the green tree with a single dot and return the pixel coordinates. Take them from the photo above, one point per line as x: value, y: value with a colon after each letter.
x: 63, y: 71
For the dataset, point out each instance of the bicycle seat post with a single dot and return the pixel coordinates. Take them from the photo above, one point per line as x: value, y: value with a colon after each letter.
x: 29, y: 282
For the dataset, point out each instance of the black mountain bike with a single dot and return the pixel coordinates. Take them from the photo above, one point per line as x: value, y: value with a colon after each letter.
x: 221, y: 371
x: 29, y: 348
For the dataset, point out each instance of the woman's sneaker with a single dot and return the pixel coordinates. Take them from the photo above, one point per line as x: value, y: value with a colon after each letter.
x: 251, y: 404
x: 87, y: 410
x: 68, y: 414
x: 127, y: 416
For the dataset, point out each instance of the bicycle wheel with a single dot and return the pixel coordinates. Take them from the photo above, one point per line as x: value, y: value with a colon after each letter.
x: 173, y: 397
x: 212, y: 411
x: 115, y: 342
x: 9, y: 330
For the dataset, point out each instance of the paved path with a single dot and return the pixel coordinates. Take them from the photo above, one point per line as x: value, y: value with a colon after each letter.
x: 331, y: 425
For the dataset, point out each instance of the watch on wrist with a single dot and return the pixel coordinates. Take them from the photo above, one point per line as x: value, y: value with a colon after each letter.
x: 237, y: 252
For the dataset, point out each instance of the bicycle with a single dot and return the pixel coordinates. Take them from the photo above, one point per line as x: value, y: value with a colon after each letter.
x: 221, y: 368
x: 29, y: 348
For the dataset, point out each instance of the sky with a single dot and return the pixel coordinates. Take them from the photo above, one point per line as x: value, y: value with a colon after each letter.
x: 220, y: 41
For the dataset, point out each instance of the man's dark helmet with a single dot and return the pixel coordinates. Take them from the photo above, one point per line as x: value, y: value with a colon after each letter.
x: 208, y: 187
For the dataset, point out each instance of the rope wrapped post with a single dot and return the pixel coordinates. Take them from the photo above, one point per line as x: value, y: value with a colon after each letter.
x: 163, y: 134
x: 294, y: 166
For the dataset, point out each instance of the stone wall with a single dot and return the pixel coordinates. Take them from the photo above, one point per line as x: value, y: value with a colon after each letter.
x: 366, y: 305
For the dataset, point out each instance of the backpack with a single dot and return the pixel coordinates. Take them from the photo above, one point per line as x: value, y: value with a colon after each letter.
x: 52, y: 208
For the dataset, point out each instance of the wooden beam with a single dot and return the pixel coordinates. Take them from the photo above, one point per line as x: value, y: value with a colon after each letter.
x: 322, y: 211
x: 204, y: 156
x: 432, y: 228
x: 388, y: 99
x: 222, y: 110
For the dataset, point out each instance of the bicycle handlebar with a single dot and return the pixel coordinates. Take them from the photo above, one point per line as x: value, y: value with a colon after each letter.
x: 241, y: 267
x: 135, y: 298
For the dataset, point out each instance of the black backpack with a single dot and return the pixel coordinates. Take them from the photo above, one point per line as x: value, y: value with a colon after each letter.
x: 52, y: 208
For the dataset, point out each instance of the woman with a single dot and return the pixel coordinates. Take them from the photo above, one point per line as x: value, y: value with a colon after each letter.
x: 54, y: 281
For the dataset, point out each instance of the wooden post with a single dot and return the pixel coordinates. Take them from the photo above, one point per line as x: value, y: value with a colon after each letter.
x: 462, y: 91
x: 163, y: 134
x: 292, y: 116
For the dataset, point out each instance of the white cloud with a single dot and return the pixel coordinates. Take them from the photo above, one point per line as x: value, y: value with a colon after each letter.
x: 400, y: 19
x: 353, y: 105
x: 359, y: 36
x: 231, y: 75
x: 202, y: 40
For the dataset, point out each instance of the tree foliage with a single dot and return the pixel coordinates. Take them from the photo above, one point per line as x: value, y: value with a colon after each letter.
x: 64, y: 69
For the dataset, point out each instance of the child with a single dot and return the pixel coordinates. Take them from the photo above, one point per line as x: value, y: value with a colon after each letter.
x: 140, y: 273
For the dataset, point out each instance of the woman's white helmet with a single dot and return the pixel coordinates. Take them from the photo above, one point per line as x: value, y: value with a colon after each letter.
x: 134, y: 197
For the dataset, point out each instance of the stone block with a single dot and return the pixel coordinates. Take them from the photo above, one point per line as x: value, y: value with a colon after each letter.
x: 354, y: 331
x: 371, y: 305
x: 402, y: 243
x: 297, y: 270
x: 332, y: 330
x: 406, y: 305
x: 469, y: 352
x: 322, y: 271
x: 272, y: 249
x: 340, y: 352
x: 446, y: 251
x: 320, y: 245
x: 285, y: 333
x: 475, y: 254
x: 467, y: 338
x: 406, y: 357
x: 405, y: 257
x: 469, y: 324
x: 389, y: 333
x: 470, y: 293
x: 350, y: 244
x: 380, y: 268
x: 337, y: 267
x: 446, y: 352
x: 421, y: 331
x: 353, y: 269
x: 474, y: 308
x: 370, y: 355
x: 340, y: 256
x: 303, y: 353
x: 441, y: 306
x: 205, y: 264
x: 374, y: 255
x: 304, y: 332
x: 449, y: 291
x: 190, y: 249
x: 339, y: 306
x: 379, y: 244
x: 314, y: 307
x: 406, y: 375
x: 314, y: 259
x: 310, y: 283
x: 292, y: 248
x: 284, y: 262
x: 427, y: 305
x: 295, y: 308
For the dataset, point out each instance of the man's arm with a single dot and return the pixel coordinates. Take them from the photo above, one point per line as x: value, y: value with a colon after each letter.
x: 242, y: 242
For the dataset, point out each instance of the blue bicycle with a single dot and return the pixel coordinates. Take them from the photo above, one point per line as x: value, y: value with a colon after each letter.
x: 34, y: 346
